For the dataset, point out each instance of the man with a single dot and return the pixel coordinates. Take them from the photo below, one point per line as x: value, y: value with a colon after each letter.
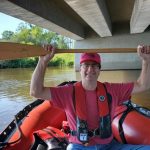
x: 88, y: 107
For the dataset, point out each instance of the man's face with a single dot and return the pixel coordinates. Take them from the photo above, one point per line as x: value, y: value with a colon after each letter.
x: 89, y: 71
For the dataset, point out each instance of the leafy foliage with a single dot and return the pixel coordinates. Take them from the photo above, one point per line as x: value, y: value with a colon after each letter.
x: 34, y: 35
x: 7, y: 35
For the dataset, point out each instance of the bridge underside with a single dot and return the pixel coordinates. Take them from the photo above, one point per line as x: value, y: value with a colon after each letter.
x: 91, y: 23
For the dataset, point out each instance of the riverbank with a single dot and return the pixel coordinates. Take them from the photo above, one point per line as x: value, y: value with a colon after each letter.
x: 58, y: 60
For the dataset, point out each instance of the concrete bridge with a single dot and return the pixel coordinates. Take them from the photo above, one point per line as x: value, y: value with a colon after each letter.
x: 91, y: 23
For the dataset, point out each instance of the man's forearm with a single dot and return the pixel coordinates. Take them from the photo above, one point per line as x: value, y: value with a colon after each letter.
x: 37, y: 80
x: 143, y: 82
x: 144, y: 78
x: 37, y: 88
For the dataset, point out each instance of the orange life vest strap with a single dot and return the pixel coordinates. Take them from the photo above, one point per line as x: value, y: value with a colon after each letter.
x: 102, y: 100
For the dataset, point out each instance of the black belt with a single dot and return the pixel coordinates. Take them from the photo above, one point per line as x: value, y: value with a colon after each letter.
x: 91, y: 133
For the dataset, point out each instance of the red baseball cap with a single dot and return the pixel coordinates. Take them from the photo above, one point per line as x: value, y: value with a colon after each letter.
x: 90, y: 57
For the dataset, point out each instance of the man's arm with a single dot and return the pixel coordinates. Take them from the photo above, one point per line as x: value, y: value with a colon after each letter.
x: 143, y: 82
x: 37, y: 88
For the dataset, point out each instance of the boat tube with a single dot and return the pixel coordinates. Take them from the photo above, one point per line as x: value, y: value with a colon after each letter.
x: 131, y: 124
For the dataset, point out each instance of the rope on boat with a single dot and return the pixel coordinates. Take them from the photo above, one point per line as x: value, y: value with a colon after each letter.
x: 4, y: 144
x: 130, y: 107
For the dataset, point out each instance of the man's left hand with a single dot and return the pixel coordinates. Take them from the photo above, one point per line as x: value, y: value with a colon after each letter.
x: 144, y: 52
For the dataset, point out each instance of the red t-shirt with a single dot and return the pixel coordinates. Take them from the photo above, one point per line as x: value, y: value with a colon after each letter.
x: 62, y: 97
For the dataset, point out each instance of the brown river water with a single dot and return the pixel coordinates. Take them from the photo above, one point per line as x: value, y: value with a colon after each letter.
x: 15, y: 83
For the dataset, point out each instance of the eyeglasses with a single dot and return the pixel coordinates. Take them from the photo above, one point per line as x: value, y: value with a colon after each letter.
x: 93, y: 66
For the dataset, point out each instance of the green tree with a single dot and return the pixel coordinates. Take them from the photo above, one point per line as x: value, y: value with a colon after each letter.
x: 62, y: 42
x: 7, y: 35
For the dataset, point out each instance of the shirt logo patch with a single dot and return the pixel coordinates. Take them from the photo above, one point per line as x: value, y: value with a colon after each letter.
x: 101, y: 98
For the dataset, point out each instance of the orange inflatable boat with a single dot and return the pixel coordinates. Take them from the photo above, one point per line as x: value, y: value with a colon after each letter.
x: 41, y: 126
